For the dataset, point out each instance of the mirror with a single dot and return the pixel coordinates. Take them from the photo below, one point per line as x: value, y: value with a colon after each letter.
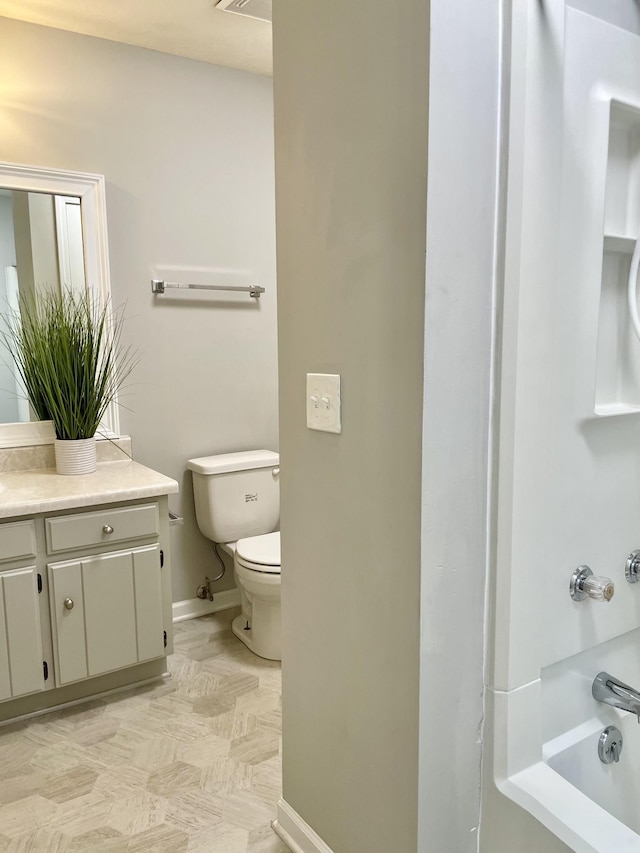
x: 52, y: 233
x: 41, y: 248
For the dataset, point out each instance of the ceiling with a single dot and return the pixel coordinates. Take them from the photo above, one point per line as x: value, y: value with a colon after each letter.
x: 191, y: 28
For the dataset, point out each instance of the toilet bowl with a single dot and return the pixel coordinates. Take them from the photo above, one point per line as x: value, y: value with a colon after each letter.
x: 256, y: 565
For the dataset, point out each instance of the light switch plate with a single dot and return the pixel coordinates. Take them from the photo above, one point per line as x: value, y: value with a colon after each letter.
x: 323, y: 402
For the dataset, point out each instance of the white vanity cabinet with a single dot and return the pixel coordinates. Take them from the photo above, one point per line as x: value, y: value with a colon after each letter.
x: 21, y: 661
x: 106, y: 612
x: 106, y: 608
x: 85, y: 588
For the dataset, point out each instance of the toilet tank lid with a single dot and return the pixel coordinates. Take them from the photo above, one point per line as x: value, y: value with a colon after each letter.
x: 245, y: 460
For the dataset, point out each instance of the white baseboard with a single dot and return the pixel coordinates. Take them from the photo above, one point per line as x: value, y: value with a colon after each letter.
x: 193, y: 607
x: 296, y: 833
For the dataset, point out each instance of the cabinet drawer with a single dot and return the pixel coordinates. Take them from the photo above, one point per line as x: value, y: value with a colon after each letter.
x: 68, y: 532
x: 17, y: 541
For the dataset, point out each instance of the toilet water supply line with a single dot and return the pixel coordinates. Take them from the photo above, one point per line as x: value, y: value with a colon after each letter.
x: 633, y: 289
x: 204, y: 590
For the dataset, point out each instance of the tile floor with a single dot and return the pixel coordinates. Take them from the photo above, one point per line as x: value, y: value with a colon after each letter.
x: 189, y: 764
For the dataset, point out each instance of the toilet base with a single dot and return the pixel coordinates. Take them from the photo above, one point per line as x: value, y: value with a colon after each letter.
x: 238, y: 628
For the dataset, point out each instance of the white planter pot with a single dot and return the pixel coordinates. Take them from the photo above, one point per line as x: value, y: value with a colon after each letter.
x: 76, y: 456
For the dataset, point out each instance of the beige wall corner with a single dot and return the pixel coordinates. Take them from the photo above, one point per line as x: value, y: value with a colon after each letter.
x: 351, y: 169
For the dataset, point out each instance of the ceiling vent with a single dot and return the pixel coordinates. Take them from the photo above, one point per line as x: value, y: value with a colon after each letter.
x: 260, y: 9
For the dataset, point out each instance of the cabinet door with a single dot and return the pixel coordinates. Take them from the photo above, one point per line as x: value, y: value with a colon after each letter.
x: 109, y: 612
x: 148, y: 595
x: 113, y: 612
x: 66, y: 603
x: 20, y: 640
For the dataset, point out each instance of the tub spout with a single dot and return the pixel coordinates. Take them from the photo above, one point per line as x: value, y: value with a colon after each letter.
x: 612, y: 692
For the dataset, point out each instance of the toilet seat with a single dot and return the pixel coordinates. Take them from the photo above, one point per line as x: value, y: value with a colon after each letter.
x: 260, y: 553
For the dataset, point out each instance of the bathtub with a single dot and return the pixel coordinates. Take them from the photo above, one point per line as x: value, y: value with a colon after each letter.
x: 613, y: 787
x: 592, y: 807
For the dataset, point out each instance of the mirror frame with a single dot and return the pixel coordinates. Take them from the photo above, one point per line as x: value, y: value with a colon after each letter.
x: 90, y: 189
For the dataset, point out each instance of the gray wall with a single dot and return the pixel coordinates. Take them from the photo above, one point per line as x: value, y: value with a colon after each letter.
x: 351, y: 156
x: 187, y: 151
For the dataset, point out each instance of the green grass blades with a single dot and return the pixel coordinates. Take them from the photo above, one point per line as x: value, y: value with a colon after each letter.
x: 70, y: 358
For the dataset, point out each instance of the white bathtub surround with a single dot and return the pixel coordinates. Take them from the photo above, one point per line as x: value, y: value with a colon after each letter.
x: 568, y: 446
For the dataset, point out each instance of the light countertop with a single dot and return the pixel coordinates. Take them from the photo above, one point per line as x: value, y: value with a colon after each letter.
x: 42, y: 490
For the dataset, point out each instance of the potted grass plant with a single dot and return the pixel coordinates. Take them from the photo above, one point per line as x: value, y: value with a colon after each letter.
x: 69, y: 355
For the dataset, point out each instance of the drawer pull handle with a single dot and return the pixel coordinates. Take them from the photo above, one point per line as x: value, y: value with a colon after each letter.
x: 107, y: 529
x: 68, y: 603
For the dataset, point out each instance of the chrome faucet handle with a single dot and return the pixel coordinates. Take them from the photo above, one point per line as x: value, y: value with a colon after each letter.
x: 584, y: 584
x: 610, y: 745
x: 632, y: 567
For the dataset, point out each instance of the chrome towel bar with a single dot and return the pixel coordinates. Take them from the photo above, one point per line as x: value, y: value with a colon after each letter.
x: 158, y: 286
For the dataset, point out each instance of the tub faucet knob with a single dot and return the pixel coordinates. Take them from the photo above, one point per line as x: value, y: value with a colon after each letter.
x: 584, y: 584
x: 632, y: 567
x: 610, y: 745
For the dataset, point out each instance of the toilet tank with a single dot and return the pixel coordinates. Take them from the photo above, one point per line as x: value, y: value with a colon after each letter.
x: 236, y: 494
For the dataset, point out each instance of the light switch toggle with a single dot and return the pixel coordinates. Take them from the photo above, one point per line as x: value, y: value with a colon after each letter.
x: 323, y: 402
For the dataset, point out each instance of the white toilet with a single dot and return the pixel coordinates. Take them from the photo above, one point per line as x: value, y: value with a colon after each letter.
x: 237, y: 500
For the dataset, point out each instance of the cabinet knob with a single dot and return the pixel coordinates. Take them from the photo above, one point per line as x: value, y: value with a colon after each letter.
x: 632, y: 568
x: 107, y: 529
x: 68, y: 603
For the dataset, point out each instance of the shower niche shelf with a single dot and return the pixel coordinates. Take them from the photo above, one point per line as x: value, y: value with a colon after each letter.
x: 617, y: 244
x: 618, y: 350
